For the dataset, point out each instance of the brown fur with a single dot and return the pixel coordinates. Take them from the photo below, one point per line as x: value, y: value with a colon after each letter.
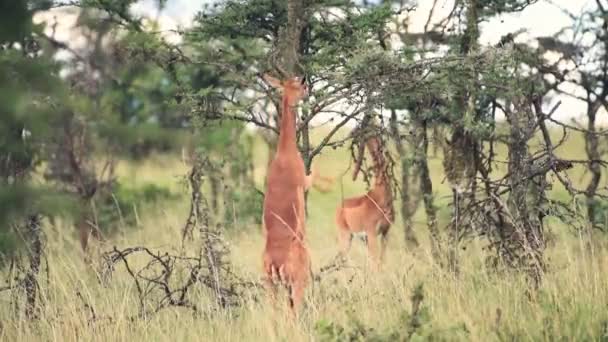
x: 318, y: 181
x: 371, y: 213
x: 286, y: 258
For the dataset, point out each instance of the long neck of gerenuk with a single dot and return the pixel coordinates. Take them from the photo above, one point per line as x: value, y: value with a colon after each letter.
x: 381, y: 187
x: 287, y: 133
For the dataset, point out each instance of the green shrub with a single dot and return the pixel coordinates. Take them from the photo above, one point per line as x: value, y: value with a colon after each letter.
x: 244, y: 204
x: 600, y: 218
x: 119, y: 207
x: 412, y: 326
x: 9, y: 245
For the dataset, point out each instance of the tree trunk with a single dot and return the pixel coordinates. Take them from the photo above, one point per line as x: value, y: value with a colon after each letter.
x: 215, y: 184
x: 525, y: 198
x: 291, y: 49
x: 305, y: 150
x: 460, y: 157
x: 426, y: 187
x: 593, y: 154
x: 30, y: 283
x: 290, y: 37
x: 408, y: 205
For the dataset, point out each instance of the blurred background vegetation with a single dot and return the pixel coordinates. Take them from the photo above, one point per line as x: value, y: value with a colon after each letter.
x: 101, y: 135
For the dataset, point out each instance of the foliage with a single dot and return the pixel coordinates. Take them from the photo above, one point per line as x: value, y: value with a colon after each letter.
x: 497, y: 7
x: 120, y: 209
x: 246, y: 37
x: 228, y: 147
x: 130, y: 93
x: 244, y: 204
x: 412, y: 326
x: 143, y: 97
x: 600, y: 210
x: 28, y: 79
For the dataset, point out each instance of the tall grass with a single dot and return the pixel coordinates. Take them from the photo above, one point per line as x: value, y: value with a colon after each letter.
x: 481, y: 305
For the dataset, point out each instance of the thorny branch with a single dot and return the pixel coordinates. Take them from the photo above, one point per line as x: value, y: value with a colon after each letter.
x: 169, y: 279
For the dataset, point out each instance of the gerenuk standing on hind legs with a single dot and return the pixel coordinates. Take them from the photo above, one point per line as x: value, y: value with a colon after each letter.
x: 286, y: 258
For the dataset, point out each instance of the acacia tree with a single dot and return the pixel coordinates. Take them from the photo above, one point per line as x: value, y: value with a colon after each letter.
x: 468, y: 109
x: 467, y: 96
x: 255, y: 36
x: 582, y: 73
x: 515, y: 224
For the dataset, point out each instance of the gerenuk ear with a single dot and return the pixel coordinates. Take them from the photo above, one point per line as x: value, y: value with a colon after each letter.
x: 271, y: 81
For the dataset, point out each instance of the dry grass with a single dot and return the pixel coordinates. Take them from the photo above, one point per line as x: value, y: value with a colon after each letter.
x: 572, y: 304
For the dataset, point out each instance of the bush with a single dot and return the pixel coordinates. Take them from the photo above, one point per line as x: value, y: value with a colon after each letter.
x: 413, y: 326
x: 244, y: 204
x: 9, y: 245
x: 119, y: 207
x: 600, y: 219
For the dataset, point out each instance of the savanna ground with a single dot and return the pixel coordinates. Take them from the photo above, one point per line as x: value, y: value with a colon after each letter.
x: 480, y: 305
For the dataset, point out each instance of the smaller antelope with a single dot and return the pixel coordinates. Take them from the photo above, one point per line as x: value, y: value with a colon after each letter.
x: 286, y: 259
x: 371, y: 214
